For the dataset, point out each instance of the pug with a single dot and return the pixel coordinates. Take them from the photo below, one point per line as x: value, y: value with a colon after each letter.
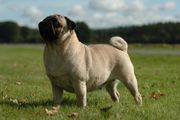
x: 75, y: 67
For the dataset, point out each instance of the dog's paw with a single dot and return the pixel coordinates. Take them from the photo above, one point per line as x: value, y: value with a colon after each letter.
x: 138, y: 99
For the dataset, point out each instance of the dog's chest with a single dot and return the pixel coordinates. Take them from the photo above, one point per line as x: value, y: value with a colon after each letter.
x: 56, y: 71
x: 53, y: 64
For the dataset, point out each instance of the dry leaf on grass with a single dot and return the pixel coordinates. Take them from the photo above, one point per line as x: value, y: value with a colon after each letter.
x: 15, y: 101
x: 156, y: 95
x: 50, y: 112
x: 53, y: 111
x: 18, y: 101
x: 73, y: 114
x: 18, y: 83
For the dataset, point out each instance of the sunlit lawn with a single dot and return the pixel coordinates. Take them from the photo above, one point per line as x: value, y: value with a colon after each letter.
x: 25, y: 91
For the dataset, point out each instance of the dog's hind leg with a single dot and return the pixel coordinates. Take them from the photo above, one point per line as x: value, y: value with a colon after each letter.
x: 129, y: 79
x: 111, y: 87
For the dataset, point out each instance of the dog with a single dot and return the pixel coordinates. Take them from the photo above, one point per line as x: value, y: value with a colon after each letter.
x: 75, y: 67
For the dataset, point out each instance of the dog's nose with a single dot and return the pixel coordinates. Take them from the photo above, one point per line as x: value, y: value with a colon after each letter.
x: 55, y: 23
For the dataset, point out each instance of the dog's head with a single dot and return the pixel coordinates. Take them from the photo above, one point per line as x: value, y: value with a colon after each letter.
x: 55, y: 27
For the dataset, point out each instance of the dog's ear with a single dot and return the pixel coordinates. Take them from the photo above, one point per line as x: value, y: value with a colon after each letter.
x: 71, y: 25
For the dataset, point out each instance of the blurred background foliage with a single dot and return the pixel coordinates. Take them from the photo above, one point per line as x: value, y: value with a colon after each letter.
x: 169, y: 32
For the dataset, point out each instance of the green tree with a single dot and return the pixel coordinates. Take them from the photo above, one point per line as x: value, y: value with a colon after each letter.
x: 83, y: 32
x: 30, y: 35
x: 9, y: 32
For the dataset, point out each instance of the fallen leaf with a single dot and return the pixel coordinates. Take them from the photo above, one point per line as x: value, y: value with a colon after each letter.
x: 53, y: 111
x: 50, y: 112
x: 15, y: 101
x: 73, y: 114
x: 156, y: 95
x: 18, y: 83
x: 106, y: 109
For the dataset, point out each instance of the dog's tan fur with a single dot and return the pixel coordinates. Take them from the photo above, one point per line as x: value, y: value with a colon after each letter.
x: 76, y: 67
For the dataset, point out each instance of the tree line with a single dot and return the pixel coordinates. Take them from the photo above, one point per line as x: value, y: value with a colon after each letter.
x: 11, y: 32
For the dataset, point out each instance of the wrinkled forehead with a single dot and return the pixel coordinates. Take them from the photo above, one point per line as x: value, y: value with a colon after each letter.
x: 58, y: 17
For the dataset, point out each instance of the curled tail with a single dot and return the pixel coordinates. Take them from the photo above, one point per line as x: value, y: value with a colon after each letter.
x: 119, y: 43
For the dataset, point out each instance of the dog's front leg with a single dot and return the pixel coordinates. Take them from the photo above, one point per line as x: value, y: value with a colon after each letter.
x: 57, y: 94
x: 81, y: 91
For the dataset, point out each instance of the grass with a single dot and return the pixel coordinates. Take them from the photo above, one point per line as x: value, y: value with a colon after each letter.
x: 25, y: 91
x: 154, y: 46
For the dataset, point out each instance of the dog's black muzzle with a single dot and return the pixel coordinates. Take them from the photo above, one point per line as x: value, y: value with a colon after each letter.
x: 47, y: 31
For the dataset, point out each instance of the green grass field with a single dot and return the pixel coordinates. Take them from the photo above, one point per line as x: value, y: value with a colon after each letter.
x: 25, y: 91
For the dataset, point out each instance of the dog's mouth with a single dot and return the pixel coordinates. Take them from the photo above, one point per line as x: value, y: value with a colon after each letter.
x: 47, y: 29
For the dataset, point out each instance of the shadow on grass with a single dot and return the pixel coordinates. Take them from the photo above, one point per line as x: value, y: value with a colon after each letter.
x: 42, y: 103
